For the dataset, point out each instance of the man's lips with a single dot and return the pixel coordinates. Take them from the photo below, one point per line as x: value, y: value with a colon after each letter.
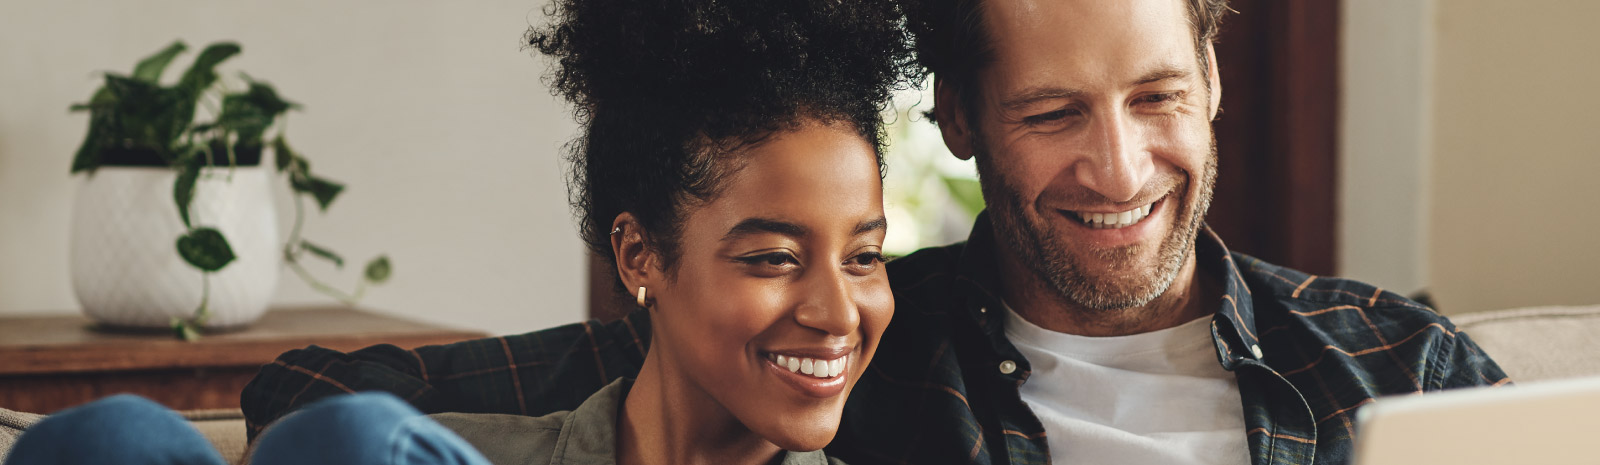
x: 1115, y: 219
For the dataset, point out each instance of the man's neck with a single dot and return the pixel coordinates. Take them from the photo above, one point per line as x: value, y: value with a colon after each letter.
x: 1192, y: 295
x: 666, y: 419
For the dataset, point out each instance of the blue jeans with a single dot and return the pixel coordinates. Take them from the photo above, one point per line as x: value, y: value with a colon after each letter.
x: 357, y: 429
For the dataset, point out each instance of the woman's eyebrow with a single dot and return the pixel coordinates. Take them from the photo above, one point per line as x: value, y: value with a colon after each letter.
x: 764, y: 225
x: 875, y: 224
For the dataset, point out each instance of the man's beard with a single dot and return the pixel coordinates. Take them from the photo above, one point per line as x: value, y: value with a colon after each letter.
x: 1037, y: 243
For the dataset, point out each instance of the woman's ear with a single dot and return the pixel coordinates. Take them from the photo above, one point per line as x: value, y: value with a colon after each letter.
x: 637, y: 264
x: 952, y: 118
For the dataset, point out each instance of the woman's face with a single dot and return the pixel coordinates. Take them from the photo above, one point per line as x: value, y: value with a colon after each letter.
x: 780, y: 294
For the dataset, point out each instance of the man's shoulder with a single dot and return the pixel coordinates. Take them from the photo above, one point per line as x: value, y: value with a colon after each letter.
x: 923, y: 264
x: 928, y: 280
x: 1299, y: 292
x: 1314, y: 320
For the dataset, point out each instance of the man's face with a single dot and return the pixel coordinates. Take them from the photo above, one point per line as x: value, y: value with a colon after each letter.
x: 1093, y: 142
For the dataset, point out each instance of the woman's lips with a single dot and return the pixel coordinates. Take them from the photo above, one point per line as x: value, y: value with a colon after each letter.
x: 826, y: 377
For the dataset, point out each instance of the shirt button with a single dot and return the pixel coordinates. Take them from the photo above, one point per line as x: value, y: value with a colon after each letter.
x: 983, y: 309
x: 1007, y: 367
x: 1255, y: 350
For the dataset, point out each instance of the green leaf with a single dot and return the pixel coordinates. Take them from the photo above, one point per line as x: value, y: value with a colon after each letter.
x: 282, y: 153
x: 149, y: 69
x: 379, y: 269
x: 246, y: 119
x: 206, y: 249
x: 88, y: 156
x: 265, y: 97
x: 203, y: 72
x: 322, y: 252
x: 188, y: 166
x: 321, y: 189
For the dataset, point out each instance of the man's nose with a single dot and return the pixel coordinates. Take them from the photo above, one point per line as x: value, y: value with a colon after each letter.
x: 1118, y: 163
x: 828, y: 305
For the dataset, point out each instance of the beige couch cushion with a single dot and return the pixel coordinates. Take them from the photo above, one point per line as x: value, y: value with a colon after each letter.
x: 1538, y: 343
x: 223, y: 427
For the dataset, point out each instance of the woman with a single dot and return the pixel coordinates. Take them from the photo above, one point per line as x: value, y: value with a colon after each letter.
x: 730, y: 170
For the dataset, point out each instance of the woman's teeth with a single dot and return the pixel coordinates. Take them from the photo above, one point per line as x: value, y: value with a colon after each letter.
x: 808, y: 366
x: 1114, y: 220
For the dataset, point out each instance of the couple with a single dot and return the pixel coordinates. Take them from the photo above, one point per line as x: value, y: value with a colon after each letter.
x: 1090, y: 317
x: 730, y: 171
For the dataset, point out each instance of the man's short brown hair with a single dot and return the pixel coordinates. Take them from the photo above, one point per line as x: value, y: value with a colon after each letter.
x: 953, y: 45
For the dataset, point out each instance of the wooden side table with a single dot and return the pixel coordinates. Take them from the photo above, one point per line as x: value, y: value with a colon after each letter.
x: 48, y: 363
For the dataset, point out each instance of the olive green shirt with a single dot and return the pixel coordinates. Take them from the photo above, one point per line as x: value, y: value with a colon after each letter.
x: 584, y: 436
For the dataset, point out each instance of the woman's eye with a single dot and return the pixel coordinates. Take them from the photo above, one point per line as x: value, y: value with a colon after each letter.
x: 774, y: 259
x: 867, y: 261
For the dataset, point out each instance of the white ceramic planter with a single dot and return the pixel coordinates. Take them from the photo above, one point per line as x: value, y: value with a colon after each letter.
x: 125, y: 265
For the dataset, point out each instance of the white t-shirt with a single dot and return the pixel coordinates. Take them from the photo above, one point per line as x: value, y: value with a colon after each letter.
x: 1152, y: 398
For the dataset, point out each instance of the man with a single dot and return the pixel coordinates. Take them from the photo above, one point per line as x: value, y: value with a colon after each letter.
x: 1091, y: 317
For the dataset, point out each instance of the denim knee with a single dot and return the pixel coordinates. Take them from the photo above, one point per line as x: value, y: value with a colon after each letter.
x: 362, y: 429
x: 122, y: 429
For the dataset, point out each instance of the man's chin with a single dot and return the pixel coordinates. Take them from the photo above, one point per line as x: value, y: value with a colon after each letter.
x: 1113, y: 279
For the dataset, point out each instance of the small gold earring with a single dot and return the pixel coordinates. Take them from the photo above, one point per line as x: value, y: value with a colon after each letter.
x: 641, y: 297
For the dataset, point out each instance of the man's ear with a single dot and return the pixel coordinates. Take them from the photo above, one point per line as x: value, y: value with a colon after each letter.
x: 952, y: 117
x: 1216, y: 80
x: 637, y: 264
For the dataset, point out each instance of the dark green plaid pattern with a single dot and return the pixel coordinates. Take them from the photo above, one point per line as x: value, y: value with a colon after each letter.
x: 935, y: 393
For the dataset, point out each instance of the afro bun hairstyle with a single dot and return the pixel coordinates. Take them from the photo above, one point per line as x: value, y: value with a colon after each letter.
x: 668, y: 91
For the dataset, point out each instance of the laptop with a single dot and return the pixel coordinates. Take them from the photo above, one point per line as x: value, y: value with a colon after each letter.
x: 1547, y: 422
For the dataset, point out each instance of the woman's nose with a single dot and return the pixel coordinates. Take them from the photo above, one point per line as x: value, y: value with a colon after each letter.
x: 828, y: 305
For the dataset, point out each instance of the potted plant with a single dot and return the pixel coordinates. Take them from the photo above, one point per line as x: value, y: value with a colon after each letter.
x: 174, y: 225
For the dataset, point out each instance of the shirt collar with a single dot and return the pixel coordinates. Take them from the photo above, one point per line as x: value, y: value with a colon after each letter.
x: 1233, y: 324
x: 589, y: 434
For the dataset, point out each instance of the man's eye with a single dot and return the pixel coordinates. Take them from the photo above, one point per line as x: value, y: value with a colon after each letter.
x: 1049, y: 117
x: 1163, y: 97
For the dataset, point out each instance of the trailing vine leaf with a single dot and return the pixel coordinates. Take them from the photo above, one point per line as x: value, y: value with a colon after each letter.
x: 206, y: 249
x: 282, y: 153
x: 379, y: 269
x: 189, y: 166
x: 149, y: 69
x: 324, y: 191
x: 182, y: 329
x: 322, y: 252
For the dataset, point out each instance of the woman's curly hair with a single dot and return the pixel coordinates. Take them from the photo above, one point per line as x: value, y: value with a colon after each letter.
x: 669, y: 91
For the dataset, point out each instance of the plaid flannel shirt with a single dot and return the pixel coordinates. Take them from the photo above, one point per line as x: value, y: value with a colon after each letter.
x: 1307, y: 351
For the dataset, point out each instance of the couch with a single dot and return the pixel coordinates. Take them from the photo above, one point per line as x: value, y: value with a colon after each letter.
x: 1530, y: 344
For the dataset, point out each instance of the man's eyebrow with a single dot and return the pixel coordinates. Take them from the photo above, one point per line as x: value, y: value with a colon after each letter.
x: 1030, y: 96
x: 875, y: 224
x: 761, y: 225
x: 1162, y: 74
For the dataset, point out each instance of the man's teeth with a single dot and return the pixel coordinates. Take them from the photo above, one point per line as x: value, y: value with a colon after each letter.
x: 808, y: 366
x: 1114, y: 220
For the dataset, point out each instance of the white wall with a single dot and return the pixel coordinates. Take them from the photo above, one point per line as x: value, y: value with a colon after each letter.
x: 1469, y: 150
x: 1386, y: 63
x: 1516, y: 163
x: 431, y: 112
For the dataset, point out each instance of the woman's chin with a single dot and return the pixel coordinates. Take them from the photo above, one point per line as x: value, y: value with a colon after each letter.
x: 806, y: 441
